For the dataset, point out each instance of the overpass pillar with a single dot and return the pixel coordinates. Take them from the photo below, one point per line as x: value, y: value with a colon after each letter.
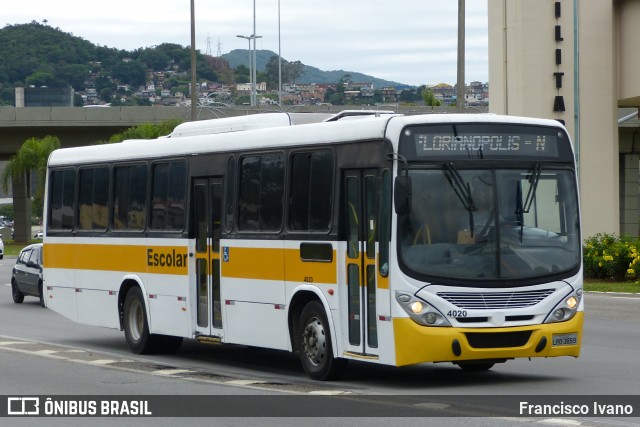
x: 21, y: 209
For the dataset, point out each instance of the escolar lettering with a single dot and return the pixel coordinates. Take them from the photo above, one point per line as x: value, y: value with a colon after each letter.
x: 164, y: 259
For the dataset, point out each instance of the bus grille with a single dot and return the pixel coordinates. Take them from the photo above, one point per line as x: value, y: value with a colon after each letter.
x: 495, y: 300
x: 497, y: 340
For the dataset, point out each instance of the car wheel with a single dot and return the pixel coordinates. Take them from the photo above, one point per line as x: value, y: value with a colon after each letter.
x: 314, y: 344
x: 136, y: 327
x: 18, y: 296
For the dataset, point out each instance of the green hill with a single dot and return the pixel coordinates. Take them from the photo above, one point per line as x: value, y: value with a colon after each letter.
x: 36, y: 54
x: 309, y: 75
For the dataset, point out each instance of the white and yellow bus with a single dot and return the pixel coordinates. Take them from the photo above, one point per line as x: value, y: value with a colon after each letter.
x: 389, y: 239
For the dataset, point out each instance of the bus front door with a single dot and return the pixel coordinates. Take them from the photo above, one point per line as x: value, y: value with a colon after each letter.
x: 207, y: 199
x: 360, y: 216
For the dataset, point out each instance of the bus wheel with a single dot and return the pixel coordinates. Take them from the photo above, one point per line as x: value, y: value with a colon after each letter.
x: 475, y: 366
x: 136, y: 328
x: 18, y: 296
x: 314, y: 344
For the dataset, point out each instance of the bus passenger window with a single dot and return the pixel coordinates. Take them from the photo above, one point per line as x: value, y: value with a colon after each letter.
x: 93, y: 197
x: 261, y: 193
x: 230, y: 180
x: 311, y: 193
x: 61, y: 212
x: 169, y: 196
x: 130, y: 197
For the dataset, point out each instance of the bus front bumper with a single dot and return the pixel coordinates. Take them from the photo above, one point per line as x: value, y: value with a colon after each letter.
x: 419, y: 344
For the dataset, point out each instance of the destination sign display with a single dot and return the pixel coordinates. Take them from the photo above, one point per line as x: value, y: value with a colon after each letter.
x: 482, y: 141
x: 491, y: 144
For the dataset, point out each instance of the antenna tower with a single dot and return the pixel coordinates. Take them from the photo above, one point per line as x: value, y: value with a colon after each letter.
x: 208, y: 51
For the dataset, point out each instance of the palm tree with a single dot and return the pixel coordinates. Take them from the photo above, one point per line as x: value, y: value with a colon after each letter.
x: 32, y: 156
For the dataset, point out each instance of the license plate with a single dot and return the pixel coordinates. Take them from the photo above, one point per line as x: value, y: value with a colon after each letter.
x: 564, y: 339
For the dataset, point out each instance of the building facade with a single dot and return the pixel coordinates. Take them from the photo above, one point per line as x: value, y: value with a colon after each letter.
x: 574, y: 61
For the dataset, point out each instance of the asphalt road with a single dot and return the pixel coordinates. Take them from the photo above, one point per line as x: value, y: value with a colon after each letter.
x: 42, y: 353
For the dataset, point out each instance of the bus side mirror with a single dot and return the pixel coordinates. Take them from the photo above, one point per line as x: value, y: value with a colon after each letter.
x: 402, y: 195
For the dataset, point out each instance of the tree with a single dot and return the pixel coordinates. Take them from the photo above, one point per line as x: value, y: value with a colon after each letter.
x: 430, y: 99
x: 32, y: 156
x: 133, y: 73
x: 146, y: 131
x: 106, y: 94
x: 290, y: 71
x: 242, y: 74
x: 40, y: 78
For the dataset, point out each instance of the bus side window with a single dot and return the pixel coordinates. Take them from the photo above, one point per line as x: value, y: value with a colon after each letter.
x: 384, y: 222
x: 61, y: 211
x: 261, y: 192
x: 129, y: 197
x: 93, y: 195
x: 230, y: 181
x: 169, y: 196
x: 311, y: 191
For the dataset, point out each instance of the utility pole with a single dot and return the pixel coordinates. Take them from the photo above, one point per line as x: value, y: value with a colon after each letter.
x: 194, y: 94
x: 254, y: 97
x: 460, y: 84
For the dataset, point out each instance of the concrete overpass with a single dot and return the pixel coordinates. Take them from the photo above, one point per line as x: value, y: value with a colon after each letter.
x: 74, y: 126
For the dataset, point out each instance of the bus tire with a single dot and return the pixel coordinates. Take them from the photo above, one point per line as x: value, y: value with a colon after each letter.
x: 18, y: 296
x: 314, y: 346
x: 136, y: 327
x: 475, y: 366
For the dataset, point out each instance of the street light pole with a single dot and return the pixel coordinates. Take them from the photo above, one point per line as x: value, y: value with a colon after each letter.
x: 279, y: 61
x: 254, y: 100
x: 251, y: 66
x: 248, y: 38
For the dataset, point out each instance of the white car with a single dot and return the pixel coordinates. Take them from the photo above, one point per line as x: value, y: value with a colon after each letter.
x: 38, y: 235
x: 1, y: 248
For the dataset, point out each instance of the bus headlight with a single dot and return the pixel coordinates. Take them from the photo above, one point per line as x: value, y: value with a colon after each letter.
x: 566, y: 309
x: 420, y: 311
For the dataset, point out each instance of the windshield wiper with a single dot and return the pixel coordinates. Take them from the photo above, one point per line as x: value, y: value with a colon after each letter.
x: 462, y: 190
x: 524, y: 207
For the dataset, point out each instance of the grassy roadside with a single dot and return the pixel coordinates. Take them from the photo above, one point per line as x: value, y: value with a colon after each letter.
x: 14, y: 248
x: 603, y: 286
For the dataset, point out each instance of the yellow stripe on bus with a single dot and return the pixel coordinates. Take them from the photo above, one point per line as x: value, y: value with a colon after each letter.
x: 243, y: 263
x: 149, y: 259
x: 269, y: 264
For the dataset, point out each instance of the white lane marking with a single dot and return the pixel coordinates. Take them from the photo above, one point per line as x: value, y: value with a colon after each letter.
x: 14, y: 342
x: 631, y: 298
x: 169, y: 372
x: 103, y: 361
x: 560, y: 421
x: 329, y: 392
x: 244, y: 382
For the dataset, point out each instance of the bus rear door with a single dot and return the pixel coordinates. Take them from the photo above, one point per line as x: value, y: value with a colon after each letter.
x: 207, y: 202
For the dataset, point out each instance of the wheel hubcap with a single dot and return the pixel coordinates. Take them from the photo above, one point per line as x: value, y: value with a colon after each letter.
x: 135, y: 321
x: 314, y: 341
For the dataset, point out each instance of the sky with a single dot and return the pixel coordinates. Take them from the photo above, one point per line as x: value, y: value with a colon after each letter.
x: 407, y: 41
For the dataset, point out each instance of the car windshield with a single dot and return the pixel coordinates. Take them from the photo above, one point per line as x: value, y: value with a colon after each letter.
x: 489, y: 225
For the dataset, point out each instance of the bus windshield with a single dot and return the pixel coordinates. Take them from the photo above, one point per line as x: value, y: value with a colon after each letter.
x: 489, y: 225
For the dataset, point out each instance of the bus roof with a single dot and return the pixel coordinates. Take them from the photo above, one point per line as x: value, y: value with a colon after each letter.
x: 243, y: 123
x: 270, y: 137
